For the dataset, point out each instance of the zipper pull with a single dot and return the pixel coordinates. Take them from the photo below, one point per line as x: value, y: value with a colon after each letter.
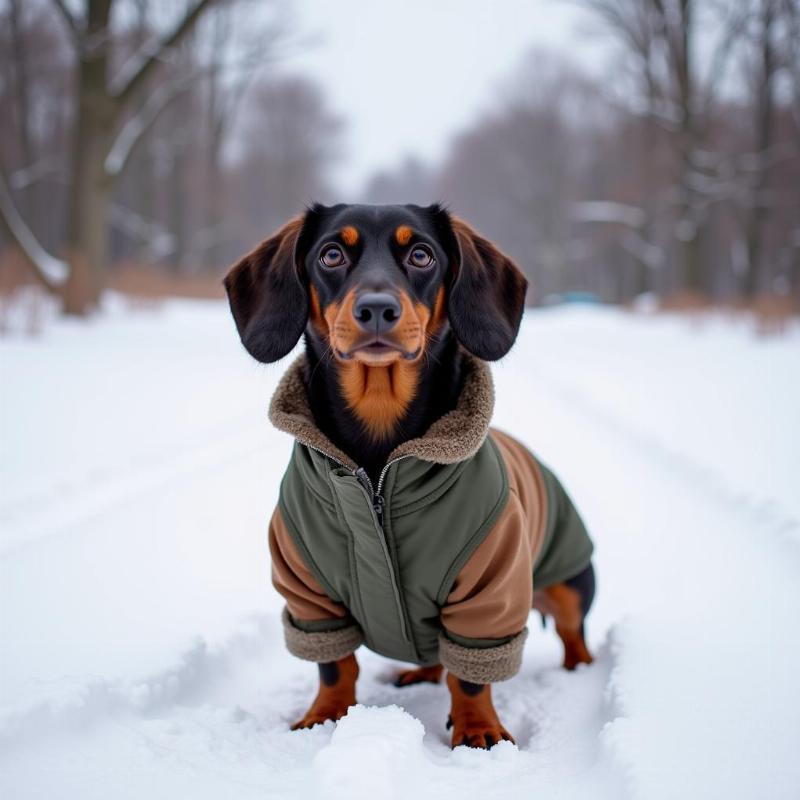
x: 377, y: 504
x: 377, y: 500
x: 363, y: 478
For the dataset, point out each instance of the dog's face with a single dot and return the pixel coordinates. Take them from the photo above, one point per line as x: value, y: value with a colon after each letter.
x: 376, y: 281
x: 377, y: 285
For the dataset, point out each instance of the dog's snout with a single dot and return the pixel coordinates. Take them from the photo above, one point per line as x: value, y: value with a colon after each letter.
x: 377, y: 311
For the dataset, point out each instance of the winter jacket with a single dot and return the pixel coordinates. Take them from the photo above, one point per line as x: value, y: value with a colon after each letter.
x: 438, y: 561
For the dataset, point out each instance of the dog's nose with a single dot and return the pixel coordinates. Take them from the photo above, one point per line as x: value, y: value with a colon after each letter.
x: 377, y: 312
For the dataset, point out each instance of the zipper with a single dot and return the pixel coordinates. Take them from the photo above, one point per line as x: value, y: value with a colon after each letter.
x: 361, y: 476
x: 376, y: 493
x: 377, y: 500
x: 378, y: 507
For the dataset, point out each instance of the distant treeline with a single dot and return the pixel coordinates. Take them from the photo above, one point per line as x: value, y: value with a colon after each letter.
x: 673, y: 174
x: 167, y: 134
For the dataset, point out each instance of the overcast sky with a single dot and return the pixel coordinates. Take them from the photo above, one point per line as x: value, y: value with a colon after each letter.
x: 407, y: 75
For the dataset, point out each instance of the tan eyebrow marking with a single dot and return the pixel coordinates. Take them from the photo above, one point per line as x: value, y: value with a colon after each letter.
x: 349, y: 235
x: 403, y: 235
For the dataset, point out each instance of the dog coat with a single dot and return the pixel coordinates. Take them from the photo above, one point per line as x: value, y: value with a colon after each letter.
x: 434, y: 563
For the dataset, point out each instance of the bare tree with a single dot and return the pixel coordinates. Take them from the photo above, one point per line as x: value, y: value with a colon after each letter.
x: 224, y: 93
x: 514, y: 173
x: 112, y: 111
x: 584, y: 191
x: 773, y: 51
x: 660, y: 37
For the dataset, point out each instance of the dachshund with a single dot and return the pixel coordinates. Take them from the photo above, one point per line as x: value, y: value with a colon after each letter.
x: 405, y: 522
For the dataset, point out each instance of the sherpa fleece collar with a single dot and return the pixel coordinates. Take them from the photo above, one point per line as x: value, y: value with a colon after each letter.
x: 454, y: 437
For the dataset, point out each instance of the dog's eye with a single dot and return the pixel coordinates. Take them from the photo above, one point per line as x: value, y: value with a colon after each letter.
x: 420, y: 257
x: 332, y: 257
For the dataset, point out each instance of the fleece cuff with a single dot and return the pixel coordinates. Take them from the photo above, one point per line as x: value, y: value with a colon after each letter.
x: 482, y: 664
x: 320, y: 646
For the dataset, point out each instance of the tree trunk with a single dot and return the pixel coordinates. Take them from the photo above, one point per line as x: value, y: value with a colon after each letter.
x: 87, y: 245
x: 694, y: 275
x: 90, y: 188
x: 689, y: 230
x: 764, y: 111
x: 99, y: 111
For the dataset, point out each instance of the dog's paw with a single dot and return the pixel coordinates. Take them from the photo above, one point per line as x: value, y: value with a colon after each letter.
x: 319, y: 715
x: 408, y: 677
x: 576, y: 653
x: 483, y: 735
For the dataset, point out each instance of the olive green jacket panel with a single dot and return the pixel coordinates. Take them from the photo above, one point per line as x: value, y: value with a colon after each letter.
x: 393, y: 578
x: 567, y: 548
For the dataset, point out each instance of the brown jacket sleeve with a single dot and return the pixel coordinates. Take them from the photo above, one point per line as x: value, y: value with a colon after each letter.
x: 316, y: 628
x: 493, y: 592
x: 487, y: 609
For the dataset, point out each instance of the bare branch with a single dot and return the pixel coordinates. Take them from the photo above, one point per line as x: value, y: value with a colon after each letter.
x: 735, y: 24
x: 27, y: 176
x: 160, y: 242
x: 139, y: 123
x: 650, y: 255
x: 144, y: 62
x: 608, y: 211
x: 51, y: 272
x: 69, y: 18
x: 632, y: 217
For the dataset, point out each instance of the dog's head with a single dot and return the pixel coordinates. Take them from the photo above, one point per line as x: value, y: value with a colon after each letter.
x: 376, y: 284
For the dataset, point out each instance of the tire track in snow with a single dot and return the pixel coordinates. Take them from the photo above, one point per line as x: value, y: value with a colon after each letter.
x: 764, y: 510
x: 63, y: 506
x: 96, y: 700
x: 763, y: 513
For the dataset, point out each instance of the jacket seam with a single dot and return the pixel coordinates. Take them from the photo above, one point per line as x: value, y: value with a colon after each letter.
x: 293, y: 528
x: 393, y: 576
x: 575, y: 567
x: 479, y: 535
x: 318, y: 495
x: 355, y: 593
x: 388, y: 528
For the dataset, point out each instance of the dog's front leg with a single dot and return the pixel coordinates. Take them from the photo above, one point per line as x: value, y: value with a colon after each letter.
x: 337, y: 692
x: 472, y: 715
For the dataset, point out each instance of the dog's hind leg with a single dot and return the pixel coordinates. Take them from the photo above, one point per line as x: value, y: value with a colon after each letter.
x: 408, y: 677
x: 337, y: 692
x: 569, y: 603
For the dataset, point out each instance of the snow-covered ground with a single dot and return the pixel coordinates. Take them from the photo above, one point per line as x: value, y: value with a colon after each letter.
x: 141, y: 649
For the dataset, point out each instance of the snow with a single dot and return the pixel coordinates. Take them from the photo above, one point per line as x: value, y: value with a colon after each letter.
x: 142, y: 654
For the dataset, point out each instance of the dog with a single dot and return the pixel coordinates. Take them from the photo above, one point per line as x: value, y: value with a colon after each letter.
x: 404, y: 522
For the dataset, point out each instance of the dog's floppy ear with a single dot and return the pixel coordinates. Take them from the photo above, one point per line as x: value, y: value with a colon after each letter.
x: 486, y: 293
x: 267, y: 295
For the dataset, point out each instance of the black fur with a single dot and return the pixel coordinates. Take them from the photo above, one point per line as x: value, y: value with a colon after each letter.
x: 471, y: 689
x: 486, y: 295
x: 329, y: 673
x: 584, y: 584
x: 268, y: 296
